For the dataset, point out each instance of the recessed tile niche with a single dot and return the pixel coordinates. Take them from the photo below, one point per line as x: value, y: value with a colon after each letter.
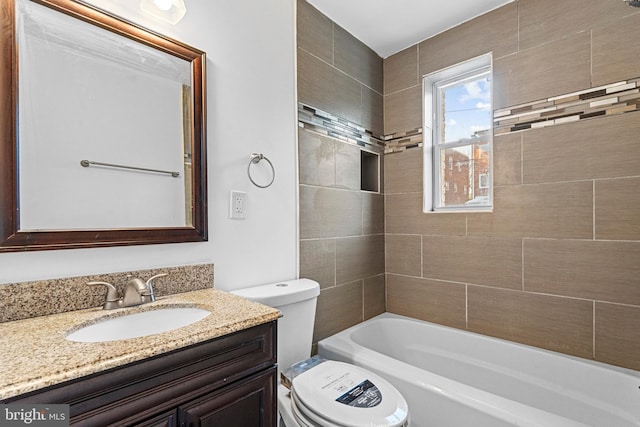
x: 369, y: 171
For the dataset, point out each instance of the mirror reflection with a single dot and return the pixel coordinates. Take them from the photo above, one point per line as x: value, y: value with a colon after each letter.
x: 109, y: 131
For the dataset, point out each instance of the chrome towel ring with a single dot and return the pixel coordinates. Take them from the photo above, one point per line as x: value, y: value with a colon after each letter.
x: 255, y: 159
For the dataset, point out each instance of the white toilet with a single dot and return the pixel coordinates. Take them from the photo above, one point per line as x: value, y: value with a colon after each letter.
x: 331, y: 393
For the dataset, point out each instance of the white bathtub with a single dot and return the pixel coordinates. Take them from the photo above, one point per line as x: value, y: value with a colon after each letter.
x: 453, y: 378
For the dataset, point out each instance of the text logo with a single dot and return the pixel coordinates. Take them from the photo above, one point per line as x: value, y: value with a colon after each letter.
x: 34, y: 415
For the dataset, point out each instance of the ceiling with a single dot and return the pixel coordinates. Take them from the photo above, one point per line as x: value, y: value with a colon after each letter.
x: 388, y: 26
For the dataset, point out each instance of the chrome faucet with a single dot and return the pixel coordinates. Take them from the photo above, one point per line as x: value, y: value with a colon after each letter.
x: 136, y: 292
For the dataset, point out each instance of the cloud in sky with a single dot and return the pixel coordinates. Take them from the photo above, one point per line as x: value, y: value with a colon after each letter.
x: 477, y: 89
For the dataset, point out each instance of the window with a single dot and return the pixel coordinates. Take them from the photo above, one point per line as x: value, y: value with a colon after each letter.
x: 458, y: 130
x: 483, y: 180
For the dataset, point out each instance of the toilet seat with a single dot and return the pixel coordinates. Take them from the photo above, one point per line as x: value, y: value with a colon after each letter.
x: 306, y: 417
x: 338, y: 394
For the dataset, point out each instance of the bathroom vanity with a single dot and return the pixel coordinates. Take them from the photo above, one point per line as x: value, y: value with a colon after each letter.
x: 218, y: 371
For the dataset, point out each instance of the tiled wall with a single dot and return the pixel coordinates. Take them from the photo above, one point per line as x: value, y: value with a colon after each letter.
x: 341, y: 227
x: 557, y: 264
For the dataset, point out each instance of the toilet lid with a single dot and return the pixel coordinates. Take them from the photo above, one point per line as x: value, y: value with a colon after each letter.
x: 346, y: 395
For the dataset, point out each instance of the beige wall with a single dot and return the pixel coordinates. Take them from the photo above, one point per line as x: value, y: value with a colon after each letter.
x: 341, y: 227
x: 557, y: 264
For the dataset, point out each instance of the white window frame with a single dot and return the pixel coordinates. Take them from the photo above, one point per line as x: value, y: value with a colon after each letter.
x: 432, y: 131
x: 483, y: 180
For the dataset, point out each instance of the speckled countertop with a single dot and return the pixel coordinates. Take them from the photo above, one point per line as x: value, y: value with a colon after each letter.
x: 35, y: 354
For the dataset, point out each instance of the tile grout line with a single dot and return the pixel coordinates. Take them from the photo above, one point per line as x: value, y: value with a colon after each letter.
x: 593, y: 220
x: 466, y: 305
x: 522, y: 266
x: 593, y: 333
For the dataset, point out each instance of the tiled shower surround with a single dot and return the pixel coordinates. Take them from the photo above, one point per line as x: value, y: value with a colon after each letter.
x: 341, y: 227
x: 557, y: 264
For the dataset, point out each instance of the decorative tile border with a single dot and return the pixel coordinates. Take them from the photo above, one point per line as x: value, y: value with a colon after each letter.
x: 44, y: 297
x: 615, y: 98
x: 331, y: 125
x: 401, y: 141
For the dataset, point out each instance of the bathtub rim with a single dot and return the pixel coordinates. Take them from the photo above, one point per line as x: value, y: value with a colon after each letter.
x: 578, y: 359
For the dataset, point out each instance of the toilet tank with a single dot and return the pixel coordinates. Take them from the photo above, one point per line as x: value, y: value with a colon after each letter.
x: 296, y: 300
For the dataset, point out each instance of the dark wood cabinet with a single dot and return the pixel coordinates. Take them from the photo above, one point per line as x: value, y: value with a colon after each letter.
x: 236, y: 405
x: 168, y: 419
x: 227, y: 381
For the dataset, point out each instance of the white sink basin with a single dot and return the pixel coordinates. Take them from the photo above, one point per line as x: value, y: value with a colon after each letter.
x: 139, y: 324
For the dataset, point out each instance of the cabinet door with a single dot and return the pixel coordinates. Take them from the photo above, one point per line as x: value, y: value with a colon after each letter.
x: 246, y: 403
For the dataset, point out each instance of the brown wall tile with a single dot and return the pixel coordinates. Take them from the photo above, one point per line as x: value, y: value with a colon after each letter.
x: 356, y: 59
x: 615, y: 57
x: 404, y: 215
x: 337, y: 72
x: 517, y: 78
x: 372, y: 111
x: 554, y: 323
x: 372, y: 213
x: 403, y: 254
x: 542, y: 21
x: 507, y: 159
x: 483, y: 261
x: 562, y: 210
x: 403, y: 171
x: 359, y: 257
x: 374, y: 296
x: 429, y: 300
x: 603, y: 271
x: 322, y: 86
x: 314, y: 32
x: 401, y: 70
x: 403, y: 110
x: 617, y: 335
x: 347, y: 166
x: 318, y: 261
x: 548, y: 193
x: 597, y: 148
x: 317, y: 159
x: 617, y: 209
x: 496, y: 31
x: 327, y: 212
x: 338, y: 308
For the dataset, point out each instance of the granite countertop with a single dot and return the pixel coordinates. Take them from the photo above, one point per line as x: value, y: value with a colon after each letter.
x: 35, y: 354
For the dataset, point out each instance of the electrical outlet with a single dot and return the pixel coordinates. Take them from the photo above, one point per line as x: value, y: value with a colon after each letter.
x: 238, y: 205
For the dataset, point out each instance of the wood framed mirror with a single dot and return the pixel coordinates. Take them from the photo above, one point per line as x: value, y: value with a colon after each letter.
x: 103, y: 131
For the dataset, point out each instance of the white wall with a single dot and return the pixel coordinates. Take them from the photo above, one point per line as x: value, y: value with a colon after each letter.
x: 251, y: 102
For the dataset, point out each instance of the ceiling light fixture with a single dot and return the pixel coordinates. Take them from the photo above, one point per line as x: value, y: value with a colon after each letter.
x: 170, y: 11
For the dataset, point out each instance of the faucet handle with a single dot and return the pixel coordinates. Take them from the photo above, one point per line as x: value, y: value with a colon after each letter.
x: 152, y: 295
x: 112, y: 299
